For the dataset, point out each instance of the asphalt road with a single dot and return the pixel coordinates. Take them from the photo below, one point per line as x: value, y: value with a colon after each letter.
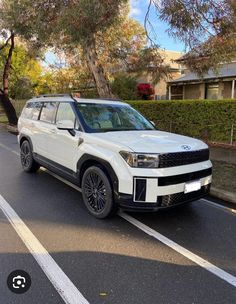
x: 109, y: 261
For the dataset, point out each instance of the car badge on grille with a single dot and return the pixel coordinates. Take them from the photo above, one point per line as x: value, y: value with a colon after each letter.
x: 186, y: 147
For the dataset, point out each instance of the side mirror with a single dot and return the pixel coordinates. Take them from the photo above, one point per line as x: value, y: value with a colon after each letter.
x: 65, y: 125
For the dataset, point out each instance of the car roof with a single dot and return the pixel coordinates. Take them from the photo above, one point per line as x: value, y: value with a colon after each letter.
x: 68, y: 98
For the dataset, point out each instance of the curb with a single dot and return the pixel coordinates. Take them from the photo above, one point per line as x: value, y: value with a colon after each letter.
x: 224, y: 195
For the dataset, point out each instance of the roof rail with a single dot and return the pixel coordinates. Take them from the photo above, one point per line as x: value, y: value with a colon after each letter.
x: 53, y: 95
x: 71, y: 95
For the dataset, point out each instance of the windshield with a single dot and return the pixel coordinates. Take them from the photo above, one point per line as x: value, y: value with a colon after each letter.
x: 108, y: 117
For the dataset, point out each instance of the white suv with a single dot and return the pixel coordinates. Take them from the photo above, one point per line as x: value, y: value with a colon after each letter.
x: 116, y: 156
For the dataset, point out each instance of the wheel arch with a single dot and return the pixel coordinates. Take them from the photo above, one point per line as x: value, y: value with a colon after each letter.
x: 88, y: 160
x: 24, y: 137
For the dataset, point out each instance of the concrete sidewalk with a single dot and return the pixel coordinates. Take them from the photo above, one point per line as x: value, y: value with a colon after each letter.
x: 228, y: 156
x: 223, y: 154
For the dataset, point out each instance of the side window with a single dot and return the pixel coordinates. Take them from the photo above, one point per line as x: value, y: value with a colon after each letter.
x: 65, y: 112
x: 27, y: 112
x: 48, y: 112
x: 36, y: 107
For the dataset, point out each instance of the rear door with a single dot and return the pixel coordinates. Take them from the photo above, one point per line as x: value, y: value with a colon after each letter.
x: 47, y: 128
x: 29, y: 124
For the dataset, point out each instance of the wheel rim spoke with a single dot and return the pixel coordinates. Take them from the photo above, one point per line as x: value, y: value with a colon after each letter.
x: 95, y: 192
x: 25, y: 155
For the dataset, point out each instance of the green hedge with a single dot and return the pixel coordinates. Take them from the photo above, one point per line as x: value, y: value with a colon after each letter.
x: 207, y: 119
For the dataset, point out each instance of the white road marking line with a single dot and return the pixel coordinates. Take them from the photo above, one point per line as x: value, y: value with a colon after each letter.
x: 232, y: 210
x: 178, y: 248
x: 66, y: 289
x: 10, y: 150
x: 168, y: 242
x: 61, y: 179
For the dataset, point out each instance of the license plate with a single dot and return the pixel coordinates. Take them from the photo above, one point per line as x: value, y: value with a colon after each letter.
x: 192, y: 186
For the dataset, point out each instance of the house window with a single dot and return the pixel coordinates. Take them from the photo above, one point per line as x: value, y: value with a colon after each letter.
x: 176, y: 92
x: 212, y: 91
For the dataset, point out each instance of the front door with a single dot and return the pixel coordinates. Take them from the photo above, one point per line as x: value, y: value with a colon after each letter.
x: 63, y: 145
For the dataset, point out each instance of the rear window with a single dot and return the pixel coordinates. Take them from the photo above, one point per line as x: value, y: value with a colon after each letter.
x: 48, y: 112
x: 32, y: 110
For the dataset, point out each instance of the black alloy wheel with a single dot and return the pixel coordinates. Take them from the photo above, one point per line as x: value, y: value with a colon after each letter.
x: 97, y: 193
x: 27, y: 161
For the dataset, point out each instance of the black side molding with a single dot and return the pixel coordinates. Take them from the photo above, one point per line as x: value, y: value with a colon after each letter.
x: 28, y: 138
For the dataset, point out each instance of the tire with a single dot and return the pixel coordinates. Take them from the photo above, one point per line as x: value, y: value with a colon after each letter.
x: 97, y: 193
x: 28, y: 163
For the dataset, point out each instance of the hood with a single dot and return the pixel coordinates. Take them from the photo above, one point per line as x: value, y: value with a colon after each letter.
x: 153, y: 141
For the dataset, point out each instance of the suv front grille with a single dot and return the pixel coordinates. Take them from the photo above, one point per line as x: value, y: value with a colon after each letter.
x: 183, y: 178
x: 183, y: 158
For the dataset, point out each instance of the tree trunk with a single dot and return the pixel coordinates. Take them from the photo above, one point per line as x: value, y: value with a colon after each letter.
x: 4, y: 97
x: 102, y: 83
x: 9, y: 109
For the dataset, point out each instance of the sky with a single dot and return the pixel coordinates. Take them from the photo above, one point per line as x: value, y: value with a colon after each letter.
x: 138, y: 12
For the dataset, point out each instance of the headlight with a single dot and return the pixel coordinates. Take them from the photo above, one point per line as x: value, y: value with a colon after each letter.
x: 137, y: 160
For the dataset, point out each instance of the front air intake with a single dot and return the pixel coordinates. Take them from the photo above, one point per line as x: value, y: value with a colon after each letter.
x: 140, y: 187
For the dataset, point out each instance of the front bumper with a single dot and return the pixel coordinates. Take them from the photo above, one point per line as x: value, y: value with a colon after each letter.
x: 153, y: 193
x: 126, y: 202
